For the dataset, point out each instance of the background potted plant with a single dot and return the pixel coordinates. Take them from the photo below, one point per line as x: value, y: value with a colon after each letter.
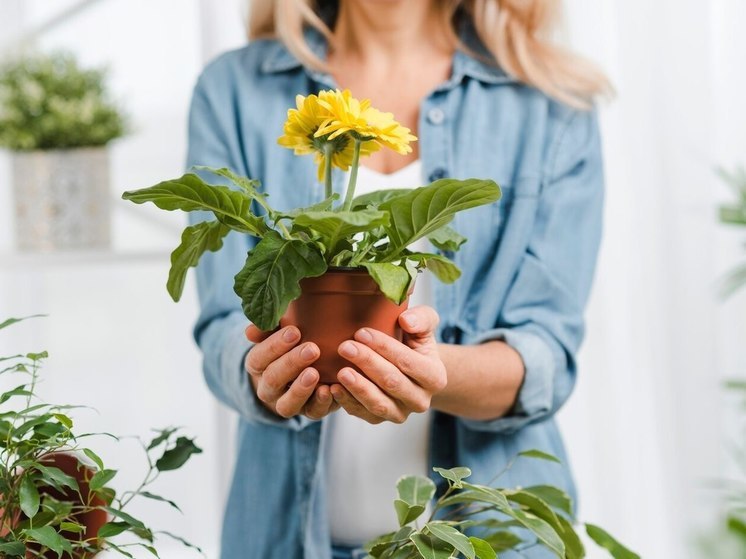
x: 56, y: 119
x: 337, y: 265
x: 475, y: 521
x: 55, y: 494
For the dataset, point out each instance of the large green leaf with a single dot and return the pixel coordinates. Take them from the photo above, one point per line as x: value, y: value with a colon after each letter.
x: 425, y: 210
x: 607, y: 542
x: 455, y: 476
x: 56, y: 477
x: 190, y: 193
x: 453, y: 537
x: 393, y: 280
x: 503, y: 540
x: 429, y: 547
x: 101, y: 478
x: 407, y: 513
x: 537, y: 507
x: 378, y: 197
x: 29, y: 496
x: 574, y: 548
x: 48, y: 537
x: 175, y: 457
x: 335, y: 227
x: 195, y: 240
x: 443, y: 268
x: 13, y: 549
x: 415, y: 490
x: 10, y: 321
x: 482, y: 548
x: 553, y: 496
x: 270, y: 278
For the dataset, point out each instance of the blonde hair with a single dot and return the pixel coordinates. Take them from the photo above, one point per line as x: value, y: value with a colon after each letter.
x: 515, y: 32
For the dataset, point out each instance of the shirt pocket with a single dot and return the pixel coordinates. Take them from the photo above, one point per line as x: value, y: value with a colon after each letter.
x: 515, y: 193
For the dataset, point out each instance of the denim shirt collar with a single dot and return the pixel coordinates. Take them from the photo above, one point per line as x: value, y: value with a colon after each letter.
x: 477, y: 64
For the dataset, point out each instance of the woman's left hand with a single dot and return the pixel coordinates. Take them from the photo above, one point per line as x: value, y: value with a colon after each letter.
x: 399, y: 378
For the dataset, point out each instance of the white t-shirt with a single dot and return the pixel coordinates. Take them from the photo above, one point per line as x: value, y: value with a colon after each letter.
x: 365, y: 461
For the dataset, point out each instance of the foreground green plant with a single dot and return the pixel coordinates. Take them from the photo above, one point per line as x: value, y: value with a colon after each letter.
x: 41, y: 505
x: 734, y: 213
x: 49, y: 102
x: 373, y: 231
x: 480, y: 521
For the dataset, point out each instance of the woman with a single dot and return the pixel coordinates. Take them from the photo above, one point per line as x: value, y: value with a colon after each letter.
x: 487, y: 363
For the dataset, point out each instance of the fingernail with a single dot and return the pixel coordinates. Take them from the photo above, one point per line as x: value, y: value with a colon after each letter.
x: 348, y: 349
x: 308, y: 378
x: 324, y: 397
x: 290, y: 335
x: 364, y: 336
x: 346, y: 376
x: 308, y: 352
x: 410, y: 319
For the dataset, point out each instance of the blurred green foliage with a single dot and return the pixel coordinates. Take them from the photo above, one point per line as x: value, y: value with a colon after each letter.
x: 50, y: 102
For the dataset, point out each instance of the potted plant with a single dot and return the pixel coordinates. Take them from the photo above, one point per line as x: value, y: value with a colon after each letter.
x: 56, y: 119
x: 342, y: 263
x: 475, y: 521
x: 56, y: 498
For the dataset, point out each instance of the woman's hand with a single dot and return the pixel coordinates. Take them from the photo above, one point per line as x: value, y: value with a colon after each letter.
x: 282, y: 377
x: 400, y: 378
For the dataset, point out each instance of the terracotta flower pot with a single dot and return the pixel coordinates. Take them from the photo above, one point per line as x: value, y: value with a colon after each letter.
x: 333, y: 307
x: 93, y: 520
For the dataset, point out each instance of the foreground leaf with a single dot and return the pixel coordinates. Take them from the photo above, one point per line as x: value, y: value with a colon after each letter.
x: 443, y: 268
x: 270, y: 278
x: 553, y: 496
x: 335, y: 227
x: 393, y: 280
x: 447, y: 238
x: 13, y: 549
x: 454, y: 475
x: 482, y: 548
x: 453, y: 537
x: 415, y: 490
x: 425, y: 210
x: 29, y: 496
x: 540, y: 454
x: 607, y: 542
x: 48, y: 537
x: 195, y: 241
x: 431, y: 548
x: 407, y: 513
x: 174, y: 458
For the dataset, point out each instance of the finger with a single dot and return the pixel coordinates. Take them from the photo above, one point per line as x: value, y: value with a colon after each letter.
x: 419, y: 322
x: 285, y: 369
x: 419, y: 365
x: 256, y: 335
x: 320, y: 404
x: 267, y: 351
x: 370, y: 396
x: 386, y: 374
x: 348, y: 403
x: 291, y: 403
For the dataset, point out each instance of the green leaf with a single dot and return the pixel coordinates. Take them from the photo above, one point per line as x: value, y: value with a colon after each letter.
x: 64, y: 420
x: 335, y: 227
x: 378, y: 197
x: 407, y: 513
x: 543, y: 531
x: 56, y: 477
x: 431, y: 548
x: 446, y: 238
x: 195, y: 241
x: 174, y: 458
x: 415, y: 490
x: 249, y: 186
x: 539, y: 454
x: 443, y: 268
x: 119, y: 550
x: 181, y: 540
x: 101, y: 478
x: 29, y: 496
x: 574, y: 548
x: 556, y: 498
x: 455, y: 475
x: 425, y: 210
x: 537, y: 507
x: 323, y: 206
x: 17, y: 391
x: 11, y: 321
x: 733, y: 281
x: 13, y: 549
x: 482, y: 548
x: 453, y: 537
x: 95, y: 457
x: 607, y: 542
x: 162, y: 437
x: 393, y: 280
x: 48, y: 537
x: 154, y: 497
x: 270, y: 278
x: 190, y: 193
x: 72, y: 527
x: 111, y: 529
x: 502, y: 540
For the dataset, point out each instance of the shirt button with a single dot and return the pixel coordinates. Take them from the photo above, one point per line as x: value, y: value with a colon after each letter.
x: 436, y: 116
x: 438, y: 173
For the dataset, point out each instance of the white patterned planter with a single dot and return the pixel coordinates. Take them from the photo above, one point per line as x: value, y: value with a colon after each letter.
x: 62, y: 199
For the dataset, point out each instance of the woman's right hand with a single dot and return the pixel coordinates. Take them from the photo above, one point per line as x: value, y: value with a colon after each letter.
x: 282, y: 377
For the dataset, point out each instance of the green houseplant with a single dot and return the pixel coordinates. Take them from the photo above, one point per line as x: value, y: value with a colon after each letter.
x: 369, y: 235
x: 56, y: 118
x: 56, y: 498
x: 475, y: 521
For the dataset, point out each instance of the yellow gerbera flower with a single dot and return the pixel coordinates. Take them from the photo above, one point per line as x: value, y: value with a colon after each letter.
x: 348, y: 115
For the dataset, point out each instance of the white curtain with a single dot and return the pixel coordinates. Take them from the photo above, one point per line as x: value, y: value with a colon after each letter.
x: 644, y: 427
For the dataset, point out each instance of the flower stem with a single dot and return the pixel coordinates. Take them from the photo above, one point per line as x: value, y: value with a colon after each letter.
x: 328, y: 148
x: 353, y: 176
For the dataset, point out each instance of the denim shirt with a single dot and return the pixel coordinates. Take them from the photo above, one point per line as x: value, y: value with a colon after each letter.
x: 527, y: 270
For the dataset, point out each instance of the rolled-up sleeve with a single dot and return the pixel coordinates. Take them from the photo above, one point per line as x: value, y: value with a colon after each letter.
x: 542, y: 317
x: 220, y: 327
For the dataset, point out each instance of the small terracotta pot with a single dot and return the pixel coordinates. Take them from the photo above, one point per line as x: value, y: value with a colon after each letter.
x: 93, y: 520
x: 334, y: 306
